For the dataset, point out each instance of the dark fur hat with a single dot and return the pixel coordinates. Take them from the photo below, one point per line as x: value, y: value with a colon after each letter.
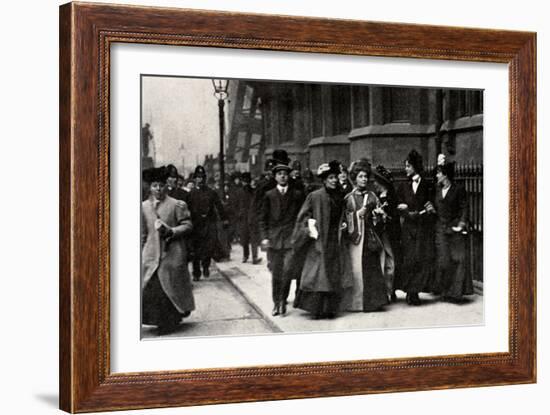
x: 155, y: 174
x: 415, y: 160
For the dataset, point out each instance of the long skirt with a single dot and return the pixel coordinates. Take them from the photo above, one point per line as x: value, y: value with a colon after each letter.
x: 452, y: 278
x: 156, y: 307
x: 418, y: 257
x: 375, y: 291
x: 369, y: 291
x: 324, y: 303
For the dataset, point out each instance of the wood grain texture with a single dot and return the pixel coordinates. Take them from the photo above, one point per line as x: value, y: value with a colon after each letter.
x: 86, y: 33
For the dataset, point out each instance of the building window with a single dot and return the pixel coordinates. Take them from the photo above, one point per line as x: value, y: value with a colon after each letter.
x: 300, y: 112
x: 360, y: 103
x: 267, y: 121
x: 475, y: 99
x: 465, y: 103
x: 397, y: 105
x: 286, y: 116
x: 247, y: 99
x: 258, y: 112
x: 341, y: 109
x: 316, y: 111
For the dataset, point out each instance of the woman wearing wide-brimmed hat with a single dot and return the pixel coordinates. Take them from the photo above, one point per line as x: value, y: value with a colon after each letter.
x: 167, y: 291
x: 326, y: 270
x: 364, y: 222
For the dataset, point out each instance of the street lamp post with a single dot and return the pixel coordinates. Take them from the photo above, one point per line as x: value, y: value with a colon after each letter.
x: 220, y: 92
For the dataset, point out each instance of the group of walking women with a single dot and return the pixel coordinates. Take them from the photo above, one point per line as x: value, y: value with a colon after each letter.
x: 349, y: 244
x: 356, y: 248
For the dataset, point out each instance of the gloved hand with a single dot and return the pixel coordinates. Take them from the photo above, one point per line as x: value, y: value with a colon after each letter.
x: 429, y: 207
x: 166, y: 232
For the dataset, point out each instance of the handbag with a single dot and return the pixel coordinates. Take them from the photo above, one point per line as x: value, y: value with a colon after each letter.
x: 374, y: 244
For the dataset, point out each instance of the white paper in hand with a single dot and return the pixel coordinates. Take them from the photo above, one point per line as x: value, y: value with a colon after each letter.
x: 313, y: 232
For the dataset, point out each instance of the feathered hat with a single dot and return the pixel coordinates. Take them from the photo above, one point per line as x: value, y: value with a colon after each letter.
x: 383, y: 176
x: 326, y: 169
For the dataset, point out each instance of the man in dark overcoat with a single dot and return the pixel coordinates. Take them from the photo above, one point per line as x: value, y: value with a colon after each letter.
x: 280, y: 208
x: 415, y: 204
x: 206, y: 210
x: 247, y: 237
x: 266, y: 183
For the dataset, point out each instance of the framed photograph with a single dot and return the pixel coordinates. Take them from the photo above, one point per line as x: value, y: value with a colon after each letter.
x: 260, y: 207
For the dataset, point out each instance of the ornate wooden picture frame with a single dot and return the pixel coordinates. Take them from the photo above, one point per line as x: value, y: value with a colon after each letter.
x: 87, y: 32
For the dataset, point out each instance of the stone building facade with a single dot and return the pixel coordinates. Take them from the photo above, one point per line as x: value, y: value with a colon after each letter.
x: 316, y: 123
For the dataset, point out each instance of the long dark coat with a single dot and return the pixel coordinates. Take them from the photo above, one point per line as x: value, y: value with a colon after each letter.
x: 417, y: 237
x: 167, y: 260
x: 206, y: 211
x: 314, y: 277
x: 243, y: 204
x: 392, y: 234
x: 452, y: 278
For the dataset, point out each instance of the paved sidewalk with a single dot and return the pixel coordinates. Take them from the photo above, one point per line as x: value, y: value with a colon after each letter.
x: 221, y: 310
x: 254, y: 283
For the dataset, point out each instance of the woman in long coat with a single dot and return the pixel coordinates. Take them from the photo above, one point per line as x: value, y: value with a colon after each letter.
x: 167, y: 291
x: 415, y: 204
x: 326, y: 273
x: 363, y: 226
x: 452, y: 279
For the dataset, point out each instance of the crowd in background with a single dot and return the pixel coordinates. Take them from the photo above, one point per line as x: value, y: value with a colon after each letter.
x: 347, y: 235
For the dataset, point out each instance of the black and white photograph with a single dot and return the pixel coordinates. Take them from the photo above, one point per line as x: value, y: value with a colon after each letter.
x: 272, y: 207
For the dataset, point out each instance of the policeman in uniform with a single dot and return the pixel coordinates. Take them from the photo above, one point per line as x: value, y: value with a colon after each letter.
x: 206, y: 210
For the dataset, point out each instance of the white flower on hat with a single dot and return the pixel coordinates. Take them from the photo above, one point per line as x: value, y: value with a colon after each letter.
x: 322, y: 169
